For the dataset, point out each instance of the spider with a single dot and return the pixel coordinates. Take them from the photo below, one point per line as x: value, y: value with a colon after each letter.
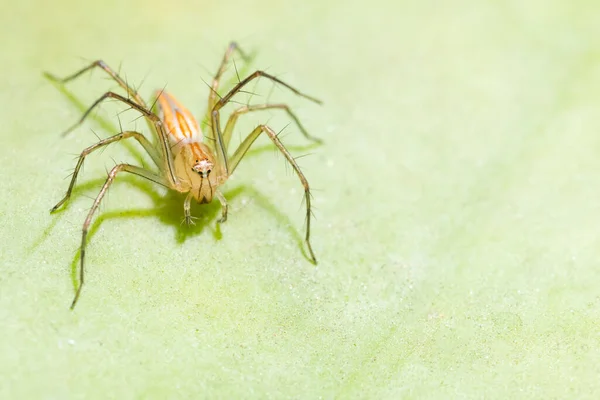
x: 185, y: 163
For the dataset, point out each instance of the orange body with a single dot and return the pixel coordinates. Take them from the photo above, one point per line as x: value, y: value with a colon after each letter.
x: 194, y: 161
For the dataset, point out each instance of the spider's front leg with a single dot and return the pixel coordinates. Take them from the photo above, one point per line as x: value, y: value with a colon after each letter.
x: 243, y: 148
x: 222, y: 139
x: 105, y: 142
x: 132, y: 169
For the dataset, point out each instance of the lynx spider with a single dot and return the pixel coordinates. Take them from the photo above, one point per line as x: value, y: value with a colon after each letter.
x: 185, y: 162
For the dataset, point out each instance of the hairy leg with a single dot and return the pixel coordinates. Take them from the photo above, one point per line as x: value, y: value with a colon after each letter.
x: 212, y: 96
x: 113, y: 74
x: 261, y: 107
x: 137, y: 103
x: 111, y: 178
x: 215, y: 117
x: 243, y: 148
x: 105, y: 142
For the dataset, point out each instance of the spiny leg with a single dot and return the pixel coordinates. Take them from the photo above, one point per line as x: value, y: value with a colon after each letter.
x: 243, y: 148
x: 224, y: 206
x: 260, y: 107
x: 105, y: 142
x: 251, y: 77
x: 101, y: 64
x: 215, y: 118
x: 112, y: 95
x: 166, y: 159
x: 111, y: 177
x: 140, y: 105
x: 212, y: 96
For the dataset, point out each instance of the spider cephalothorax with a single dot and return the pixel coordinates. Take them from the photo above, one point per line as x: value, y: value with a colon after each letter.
x: 197, y: 173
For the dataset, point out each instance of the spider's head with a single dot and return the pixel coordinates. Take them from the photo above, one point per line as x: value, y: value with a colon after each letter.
x: 204, y: 180
x: 198, y: 173
x: 203, y: 167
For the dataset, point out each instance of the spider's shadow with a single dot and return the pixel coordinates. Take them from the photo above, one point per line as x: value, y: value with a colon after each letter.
x: 169, y: 210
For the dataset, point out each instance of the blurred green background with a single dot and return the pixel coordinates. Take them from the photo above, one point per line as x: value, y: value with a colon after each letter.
x: 456, y: 194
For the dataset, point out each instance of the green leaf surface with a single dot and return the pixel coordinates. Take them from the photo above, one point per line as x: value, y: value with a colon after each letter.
x: 456, y: 195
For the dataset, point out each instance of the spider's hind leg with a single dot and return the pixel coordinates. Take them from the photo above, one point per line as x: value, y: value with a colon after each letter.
x: 132, y: 169
x: 113, y: 74
x: 135, y: 101
x: 212, y: 97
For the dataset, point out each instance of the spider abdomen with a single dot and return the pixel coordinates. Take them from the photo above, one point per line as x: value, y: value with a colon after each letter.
x: 180, y: 124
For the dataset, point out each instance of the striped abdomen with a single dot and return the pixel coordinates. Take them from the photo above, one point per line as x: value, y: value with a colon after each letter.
x: 179, y: 122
